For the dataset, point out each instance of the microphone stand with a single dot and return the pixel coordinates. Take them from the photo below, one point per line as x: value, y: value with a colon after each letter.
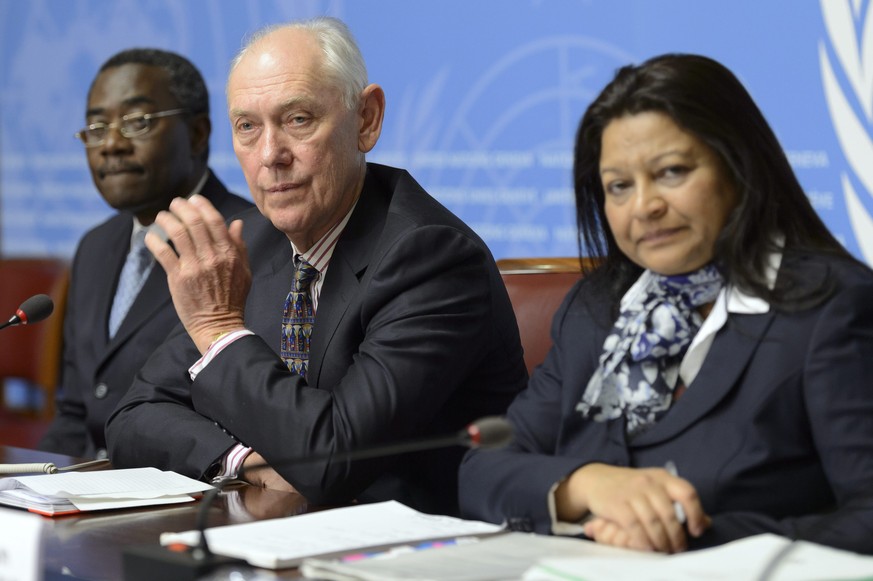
x: 178, y: 562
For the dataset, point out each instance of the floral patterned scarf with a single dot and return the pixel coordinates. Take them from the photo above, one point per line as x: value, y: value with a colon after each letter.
x: 639, y: 367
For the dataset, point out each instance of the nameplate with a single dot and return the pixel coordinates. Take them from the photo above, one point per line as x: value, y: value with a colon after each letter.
x: 20, y: 546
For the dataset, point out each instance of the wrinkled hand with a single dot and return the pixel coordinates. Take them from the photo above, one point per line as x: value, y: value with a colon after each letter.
x: 633, y: 507
x: 257, y: 472
x: 208, y: 274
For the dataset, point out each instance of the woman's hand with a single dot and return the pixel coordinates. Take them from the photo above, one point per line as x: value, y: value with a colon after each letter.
x: 633, y: 507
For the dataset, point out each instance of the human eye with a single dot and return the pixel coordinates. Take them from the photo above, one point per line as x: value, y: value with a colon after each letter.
x: 135, y: 123
x: 244, y: 127
x: 245, y: 131
x: 616, y: 187
x: 97, y: 130
x: 297, y: 120
x: 674, y: 172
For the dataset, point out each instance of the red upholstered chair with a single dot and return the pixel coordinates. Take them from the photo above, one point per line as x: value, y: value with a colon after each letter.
x: 33, y: 352
x: 536, y: 288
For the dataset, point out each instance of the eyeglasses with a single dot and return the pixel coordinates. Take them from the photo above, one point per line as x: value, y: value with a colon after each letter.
x: 132, y: 125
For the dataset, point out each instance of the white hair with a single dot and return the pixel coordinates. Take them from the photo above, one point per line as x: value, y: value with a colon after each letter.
x: 343, y: 62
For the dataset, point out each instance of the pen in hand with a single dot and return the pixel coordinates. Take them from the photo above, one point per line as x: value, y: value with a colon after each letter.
x: 670, y: 467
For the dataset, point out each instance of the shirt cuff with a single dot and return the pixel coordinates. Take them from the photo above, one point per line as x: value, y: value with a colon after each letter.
x: 214, y: 349
x: 559, y: 527
x: 232, y: 463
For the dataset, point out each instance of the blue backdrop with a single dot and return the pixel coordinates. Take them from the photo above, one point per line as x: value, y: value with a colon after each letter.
x: 483, y: 97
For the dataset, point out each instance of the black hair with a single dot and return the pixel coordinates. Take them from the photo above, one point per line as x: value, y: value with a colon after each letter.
x: 186, y: 84
x: 704, y: 98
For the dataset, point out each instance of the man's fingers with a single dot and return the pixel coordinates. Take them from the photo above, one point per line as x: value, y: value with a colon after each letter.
x: 235, y: 232
x: 177, y: 233
x: 162, y: 251
x: 212, y: 219
x: 194, y: 218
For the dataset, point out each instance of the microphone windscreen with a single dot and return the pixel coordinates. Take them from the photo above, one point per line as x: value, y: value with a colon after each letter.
x: 36, y: 308
x: 489, y: 432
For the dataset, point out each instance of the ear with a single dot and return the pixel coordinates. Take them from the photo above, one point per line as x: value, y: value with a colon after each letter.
x: 371, y: 110
x: 200, y: 128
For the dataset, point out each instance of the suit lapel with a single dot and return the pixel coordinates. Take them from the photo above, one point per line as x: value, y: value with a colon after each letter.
x: 716, y: 379
x: 105, y: 280
x: 153, y: 296
x: 272, y: 262
x: 347, y: 266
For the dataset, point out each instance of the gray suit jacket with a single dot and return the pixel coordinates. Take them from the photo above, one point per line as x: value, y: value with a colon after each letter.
x: 414, y: 336
x: 96, y: 370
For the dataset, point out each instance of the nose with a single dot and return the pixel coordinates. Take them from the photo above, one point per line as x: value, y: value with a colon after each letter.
x: 275, y: 149
x: 115, y: 141
x: 648, y: 202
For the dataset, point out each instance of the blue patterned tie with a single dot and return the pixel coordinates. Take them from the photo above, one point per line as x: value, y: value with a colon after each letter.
x: 133, y: 275
x: 298, y: 319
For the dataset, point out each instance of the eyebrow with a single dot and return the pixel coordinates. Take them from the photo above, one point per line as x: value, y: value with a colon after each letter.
x: 686, y: 153
x: 131, y: 102
x: 284, y: 106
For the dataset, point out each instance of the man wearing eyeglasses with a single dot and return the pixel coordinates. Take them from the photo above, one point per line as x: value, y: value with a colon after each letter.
x: 147, y: 142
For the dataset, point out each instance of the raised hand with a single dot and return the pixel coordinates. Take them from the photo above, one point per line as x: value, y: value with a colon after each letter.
x: 208, y: 272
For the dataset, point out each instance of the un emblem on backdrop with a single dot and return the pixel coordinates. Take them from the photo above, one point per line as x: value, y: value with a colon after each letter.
x: 846, y: 61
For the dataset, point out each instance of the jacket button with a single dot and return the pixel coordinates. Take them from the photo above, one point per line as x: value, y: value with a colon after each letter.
x: 101, y: 390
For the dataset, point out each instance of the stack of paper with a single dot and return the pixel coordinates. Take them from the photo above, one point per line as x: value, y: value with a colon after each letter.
x: 284, y: 542
x: 499, y: 557
x: 742, y: 560
x: 541, y: 558
x: 56, y: 494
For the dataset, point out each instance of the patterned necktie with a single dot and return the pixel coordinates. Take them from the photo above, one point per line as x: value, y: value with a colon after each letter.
x: 133, y: 275
x: 298, y: 319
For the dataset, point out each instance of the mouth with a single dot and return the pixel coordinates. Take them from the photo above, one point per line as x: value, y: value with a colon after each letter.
x: 116, y: 170
x: 282, y: 187
x: 659, y: 235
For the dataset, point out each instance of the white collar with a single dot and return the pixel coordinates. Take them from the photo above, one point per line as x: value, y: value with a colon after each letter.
x: 730, y: 300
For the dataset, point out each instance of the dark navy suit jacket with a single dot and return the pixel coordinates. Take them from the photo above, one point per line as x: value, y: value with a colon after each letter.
x: 775, y: 431
x: 414, y: 335
x: 97, y: 370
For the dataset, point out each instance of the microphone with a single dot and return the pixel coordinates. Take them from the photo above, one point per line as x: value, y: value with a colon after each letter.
x: 33, y: 310
x: 487, y: 432
x: 146, y: 563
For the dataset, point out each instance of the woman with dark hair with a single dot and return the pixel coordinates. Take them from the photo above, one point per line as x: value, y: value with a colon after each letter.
x: 712, y: 378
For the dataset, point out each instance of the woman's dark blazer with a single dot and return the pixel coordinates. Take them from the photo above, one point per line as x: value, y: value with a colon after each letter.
x: 775, y: 432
